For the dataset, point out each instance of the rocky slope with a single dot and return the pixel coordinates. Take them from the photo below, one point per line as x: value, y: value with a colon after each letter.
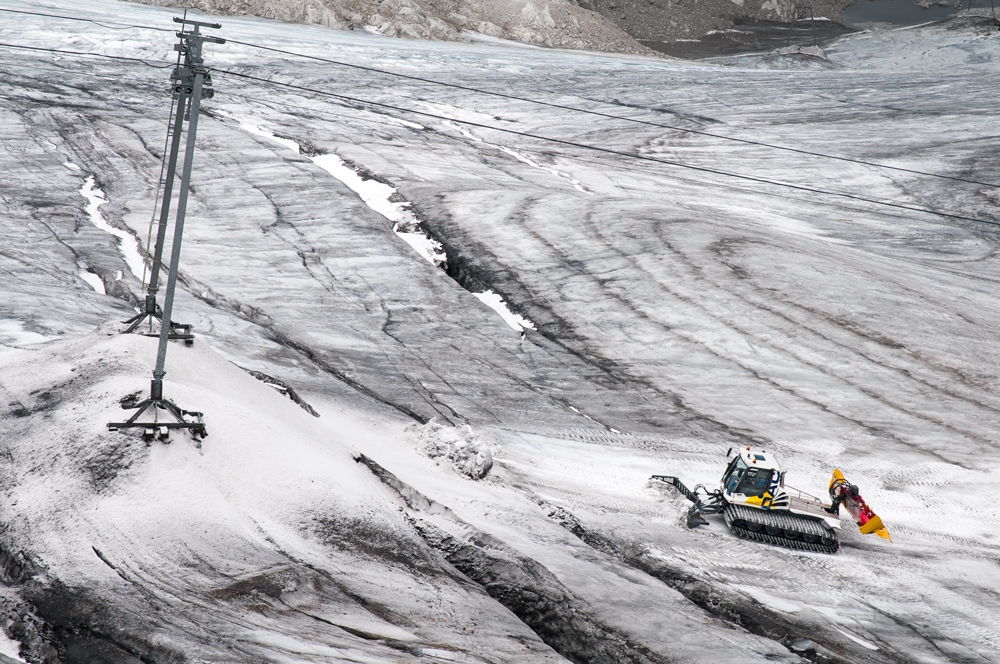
x: 670, y: 20
x: 554, y: 23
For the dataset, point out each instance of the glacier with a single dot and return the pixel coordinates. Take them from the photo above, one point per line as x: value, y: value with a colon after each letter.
x: 675, y: 313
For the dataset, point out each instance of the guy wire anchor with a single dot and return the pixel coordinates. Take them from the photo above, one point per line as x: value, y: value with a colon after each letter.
x: 190, y: 81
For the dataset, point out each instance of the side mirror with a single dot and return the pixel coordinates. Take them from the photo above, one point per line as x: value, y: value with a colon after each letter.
x: 729, y: 452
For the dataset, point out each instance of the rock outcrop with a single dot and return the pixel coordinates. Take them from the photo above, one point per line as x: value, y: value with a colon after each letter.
x: 552, y: 23
x: 670, y: 20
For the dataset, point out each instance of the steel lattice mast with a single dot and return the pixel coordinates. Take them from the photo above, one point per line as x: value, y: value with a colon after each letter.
x: 191, y: 82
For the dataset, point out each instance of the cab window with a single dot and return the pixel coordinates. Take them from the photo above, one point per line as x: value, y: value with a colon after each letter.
x: 755, y: 482
x: 733, y: 474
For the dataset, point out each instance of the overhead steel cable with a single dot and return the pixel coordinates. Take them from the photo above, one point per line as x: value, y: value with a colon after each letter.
x: 620, y: 153
x: 611, y: 116
x: 559, y: 141
x: 565, y: 107
x: 111, y: 25
x: 87, y: 53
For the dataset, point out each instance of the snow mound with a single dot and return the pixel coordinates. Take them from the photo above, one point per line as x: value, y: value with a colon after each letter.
x: 467, y: 450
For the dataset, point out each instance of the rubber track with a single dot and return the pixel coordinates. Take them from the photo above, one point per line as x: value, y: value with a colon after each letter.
x: 738, y: 516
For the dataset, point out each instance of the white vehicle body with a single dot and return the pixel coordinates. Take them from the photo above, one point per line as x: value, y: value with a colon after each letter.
x: 753, y: 478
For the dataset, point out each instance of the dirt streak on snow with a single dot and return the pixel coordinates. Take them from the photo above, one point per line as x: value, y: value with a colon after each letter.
x: 508, y: 151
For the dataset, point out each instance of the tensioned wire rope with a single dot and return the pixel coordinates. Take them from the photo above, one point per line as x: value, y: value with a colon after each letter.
x: 563, y: 142
x: 391, y: 121
x: 504, y: 95
x: 620, y: 153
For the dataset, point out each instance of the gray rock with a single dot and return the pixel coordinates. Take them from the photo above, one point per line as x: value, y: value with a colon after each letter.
x: 554, y: 23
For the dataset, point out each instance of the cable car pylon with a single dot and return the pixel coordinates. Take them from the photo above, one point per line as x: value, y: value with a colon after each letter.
x: 191, y: 82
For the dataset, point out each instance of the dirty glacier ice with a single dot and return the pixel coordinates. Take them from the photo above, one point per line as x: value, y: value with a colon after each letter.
x: 676, y: 312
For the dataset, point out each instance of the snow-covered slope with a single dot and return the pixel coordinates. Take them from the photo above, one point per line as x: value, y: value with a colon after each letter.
x: 270, y: 541
x: 672, y: 313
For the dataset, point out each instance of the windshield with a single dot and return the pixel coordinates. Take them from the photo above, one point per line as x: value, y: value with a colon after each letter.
x: 733, y: 474
x: 754, y: 482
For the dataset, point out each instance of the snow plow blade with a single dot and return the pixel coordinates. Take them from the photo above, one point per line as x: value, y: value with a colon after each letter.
x: 695, y: 515
x: 844, y: 493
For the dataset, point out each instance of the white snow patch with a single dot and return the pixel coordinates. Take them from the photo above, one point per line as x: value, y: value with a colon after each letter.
x: 10, y: 647
x: 12, y: 333
x: 857, y: 639
x: 772, y: 601
x: 94, y: 281
x: 495, y: 302
x: 380, y: 197
x: 405, y: 123
x: 579, y: 412
x: 375, y: 194
x: 257, y: 130
x: 127, y: 245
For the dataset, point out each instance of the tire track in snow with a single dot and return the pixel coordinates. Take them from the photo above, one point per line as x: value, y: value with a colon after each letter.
x: 722, y: 314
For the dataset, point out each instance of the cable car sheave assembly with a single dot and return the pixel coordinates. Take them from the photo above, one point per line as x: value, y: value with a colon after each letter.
x: 190, y: 83
x: 757, y: 505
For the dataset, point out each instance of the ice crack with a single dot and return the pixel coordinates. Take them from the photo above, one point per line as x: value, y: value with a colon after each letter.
x: 380, y: 197
x: 128, y: 246
x: 385, y: 200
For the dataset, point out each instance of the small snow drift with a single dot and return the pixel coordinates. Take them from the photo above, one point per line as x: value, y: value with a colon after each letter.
x: 467, y: 450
